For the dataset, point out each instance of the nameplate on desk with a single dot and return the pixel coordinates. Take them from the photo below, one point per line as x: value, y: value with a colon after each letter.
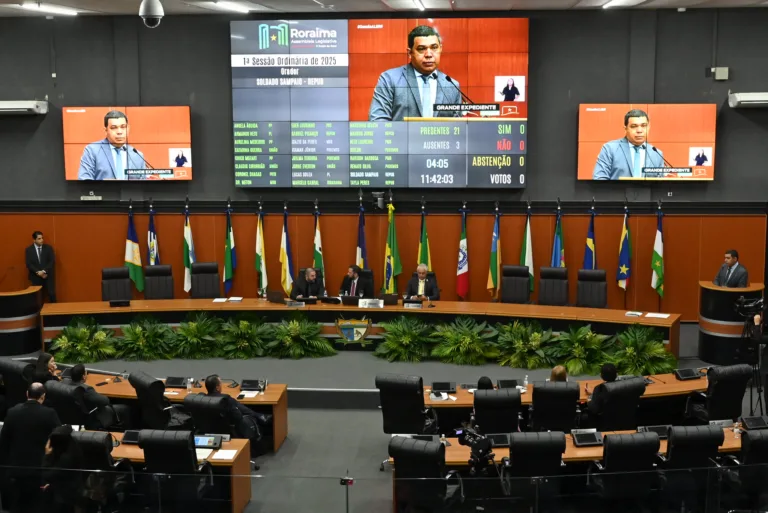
x: 295, y: 304
x: 413, y: 305
x: 371, y: 303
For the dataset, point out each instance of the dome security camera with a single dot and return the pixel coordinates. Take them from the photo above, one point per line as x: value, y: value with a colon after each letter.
x: 151, y: 11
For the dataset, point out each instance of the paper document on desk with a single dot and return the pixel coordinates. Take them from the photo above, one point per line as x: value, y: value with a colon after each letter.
x: 653, y: 315
x: 224, y: 454
x: 235, y: 298
x: 220, y: 300
x: 203, y: 453
x: 440, y: 396
x: 170, y: 393
x: 634, y: 314
x: 248, y: 394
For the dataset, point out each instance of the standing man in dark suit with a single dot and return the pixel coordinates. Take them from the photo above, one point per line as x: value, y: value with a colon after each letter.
x: 22, y: 447
x: 731, y: 273
x: 108, y: 415
x: 422, y: 286
x: 40, y: 263
x: 596, y: 401
x: 354, y: 285
x: 310, y: 286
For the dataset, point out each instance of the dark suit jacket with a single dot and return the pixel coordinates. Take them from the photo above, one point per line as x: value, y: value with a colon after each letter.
x: 363, y: 285
x: 25, y: 433
x: 46, y: 263
x: 597, y: 401
x: 431, y: 290
x: 306, y: 289
x: 739, y: 277
x: 42, y: 377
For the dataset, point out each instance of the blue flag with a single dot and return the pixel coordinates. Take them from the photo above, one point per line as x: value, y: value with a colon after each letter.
x: 361, y: 254
x: 558, y: 249
x: 590, y: 255
x: 625, y: 255
x: 153, y: 250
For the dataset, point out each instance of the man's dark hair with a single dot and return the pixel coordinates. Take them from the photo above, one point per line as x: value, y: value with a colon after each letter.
x: 355, y: 269
x: 733, y: 253
x: 35, y: 391
x: 36, y: 234
x: 484, y: 383
x: 211, y: 382
x: 635, y: 113
x: 608, y: 372
x: 114, y: 114
x: 422, y: 31
x: 77, y: 373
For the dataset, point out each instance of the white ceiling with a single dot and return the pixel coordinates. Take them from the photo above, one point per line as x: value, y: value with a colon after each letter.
x: 131, y: 7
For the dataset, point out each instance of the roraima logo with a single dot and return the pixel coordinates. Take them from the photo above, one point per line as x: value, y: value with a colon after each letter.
x: 266, y: 39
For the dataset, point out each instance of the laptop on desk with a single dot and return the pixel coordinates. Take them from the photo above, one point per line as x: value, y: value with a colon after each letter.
x: 176, y: 382
x: 448, y: 387
x: 276, y: 296
x: 350, y: 300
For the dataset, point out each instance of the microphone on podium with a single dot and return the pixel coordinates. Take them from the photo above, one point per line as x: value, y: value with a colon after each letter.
x: 449, y: 79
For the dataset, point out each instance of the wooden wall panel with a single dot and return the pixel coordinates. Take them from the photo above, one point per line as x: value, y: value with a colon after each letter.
x: 694, y: 248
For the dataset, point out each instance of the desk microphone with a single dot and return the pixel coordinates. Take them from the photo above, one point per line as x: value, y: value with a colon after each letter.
x: 662, y: 156
x: 449, y: 79
x: 145, y: 160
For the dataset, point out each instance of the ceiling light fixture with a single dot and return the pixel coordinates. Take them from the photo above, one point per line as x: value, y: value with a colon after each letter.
x: 232, y: 6
x: 418, y: 4
x: 610, y: 4
x: 49, y: 9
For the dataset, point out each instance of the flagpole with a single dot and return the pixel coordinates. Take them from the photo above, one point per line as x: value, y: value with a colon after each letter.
x: 658, y: 296
x: 626, y: 219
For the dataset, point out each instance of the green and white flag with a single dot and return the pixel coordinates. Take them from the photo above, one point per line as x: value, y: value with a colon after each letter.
x: 526, y: 253
x: 657, y: 260
x: 261, y: 263
x: 189, y: 252
x: 318, y: 258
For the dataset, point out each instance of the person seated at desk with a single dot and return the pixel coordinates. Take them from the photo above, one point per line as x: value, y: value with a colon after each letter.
x: 732, y: 273
x: 309, y: 287
x: 484, y: 383
x: 354, y: 285
x: 596, y: 400
x: 108, y: 415
x: 45, y: 369
x: 62, y: 476
x: 422, y: 287
x: 558, y: 374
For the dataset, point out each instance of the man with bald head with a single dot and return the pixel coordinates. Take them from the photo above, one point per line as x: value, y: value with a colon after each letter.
x: 22, y: 447
x: 422, y: 286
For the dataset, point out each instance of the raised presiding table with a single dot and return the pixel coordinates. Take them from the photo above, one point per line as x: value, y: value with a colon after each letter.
x: 275, y: 396
x: 56, y: 316
x: 239, y: 466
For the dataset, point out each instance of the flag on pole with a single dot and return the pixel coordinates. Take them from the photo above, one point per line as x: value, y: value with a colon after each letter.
x: 657, y: 260
x: 286, y: 260
x: 392, y: 266
x: 261, y: 263
x: 494, y: 270
x: 462, y: 271
x: 318, y: 258
x: 590, y: 255
x: 424, y: 256
x: 361, y: 254
x: 230, y: 255
x: 189, y: 252
x: 133, y: 254
x: 625, y: 254
x: 153, y: 250
x: 558, y: 249
x: 526, y: 252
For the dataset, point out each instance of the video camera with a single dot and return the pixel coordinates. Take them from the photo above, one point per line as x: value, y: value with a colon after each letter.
x: 749, y: 308
x: 481, y: 457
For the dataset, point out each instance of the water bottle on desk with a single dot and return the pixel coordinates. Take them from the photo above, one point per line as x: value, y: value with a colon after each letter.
x: 189, y: 385
x: 525, y: 381
x: 736, y: 430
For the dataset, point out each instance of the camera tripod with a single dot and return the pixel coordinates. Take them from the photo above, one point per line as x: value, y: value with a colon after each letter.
x: 754, y: 351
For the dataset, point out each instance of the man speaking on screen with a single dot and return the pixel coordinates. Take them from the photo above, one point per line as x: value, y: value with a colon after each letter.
x: 109, y: 158
x: 413, y: 90
x: 626, y: 157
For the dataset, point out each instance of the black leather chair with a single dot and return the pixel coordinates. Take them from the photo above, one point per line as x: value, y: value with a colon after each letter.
x: 628, y: 469
x: 497, y: 411
x: 536, y: 466
x: 553, y: 286
x: 158, y: 282
x: 206, y: 282
x: 622, y: 399
x: 554, y: 405
x: 171, y: 457
x: 515, y: 284
x: 751, y: 474
x: 592, y: 289
x: 726, y: 387
x: 301, y: 278
x: 420, y: 479
x: 367, y: 274
x: 156, y: 410
x: 16, y: 377
x: 210, y: 414
x: 70, y: 406
x: 115, y: 284
x: 106, y: 478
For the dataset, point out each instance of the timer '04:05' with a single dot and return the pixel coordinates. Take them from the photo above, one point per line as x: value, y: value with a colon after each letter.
x: 437, y: 179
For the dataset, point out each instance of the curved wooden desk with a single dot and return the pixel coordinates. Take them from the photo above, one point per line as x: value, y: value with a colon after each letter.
x: 20, y: 323
x: 720, y: 327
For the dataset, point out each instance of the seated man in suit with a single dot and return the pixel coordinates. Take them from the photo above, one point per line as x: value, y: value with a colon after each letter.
x: 413, y: 90
x: 354, y: 285
x: 22, y: 447
x: 310, y: 286
x: 108, y: 415
x: 423, y: 287
x: 596, y: 400
x: 626, y: 157
x: 732, y: 273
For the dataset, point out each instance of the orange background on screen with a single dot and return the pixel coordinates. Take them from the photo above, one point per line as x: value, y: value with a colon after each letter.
x: 674, y: 128
x: 475, y: 51
x: 152, y: 130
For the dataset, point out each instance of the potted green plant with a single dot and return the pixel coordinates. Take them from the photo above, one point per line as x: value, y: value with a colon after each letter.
x: 406, y: 339
x: 525, y: 345
x: 145, y: 339
x: 299, y: 337
x: 465, y: 342
x: 641, y: 352
x: 243, y: 338
x: 196, y: 338
x: 84, y: 341
x: 581, y: 350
